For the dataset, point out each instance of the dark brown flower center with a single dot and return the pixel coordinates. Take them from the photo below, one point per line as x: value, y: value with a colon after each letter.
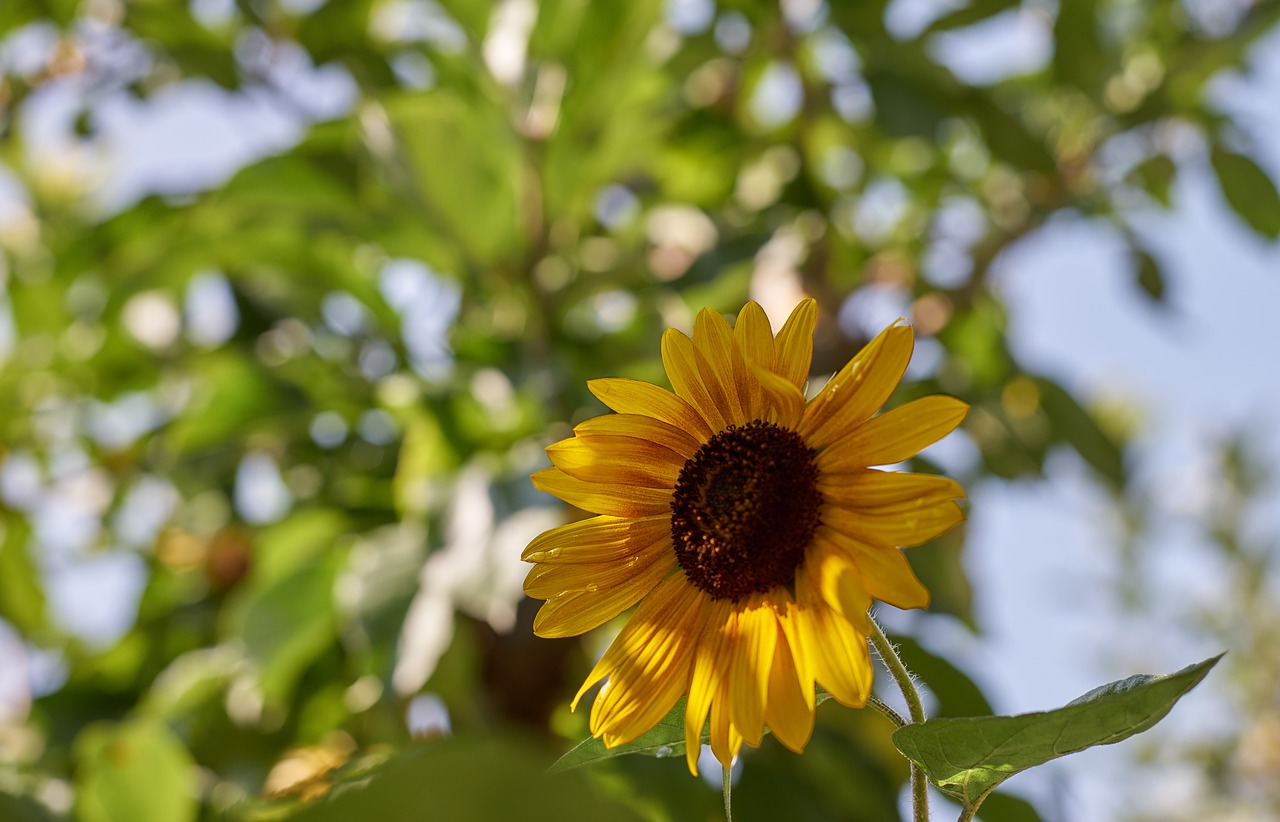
x: 744, y: 510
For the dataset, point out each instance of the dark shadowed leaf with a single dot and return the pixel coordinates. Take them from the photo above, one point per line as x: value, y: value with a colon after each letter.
x: 1248, y: 190
x: 1149, y: 276
x: 1155, y: 176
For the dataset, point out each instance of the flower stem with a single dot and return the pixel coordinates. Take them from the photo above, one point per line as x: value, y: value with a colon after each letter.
x: 919, y: 787
x: 884, y: 710
x: 728, y: 793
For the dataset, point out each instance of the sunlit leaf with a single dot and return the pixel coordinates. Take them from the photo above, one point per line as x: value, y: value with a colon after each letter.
x: 966, y: 758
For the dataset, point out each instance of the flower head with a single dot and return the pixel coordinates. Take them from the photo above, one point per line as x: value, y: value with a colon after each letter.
x: 748, y: 523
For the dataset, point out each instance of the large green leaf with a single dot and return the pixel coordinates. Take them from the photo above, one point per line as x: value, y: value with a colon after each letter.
x: 967, y: 758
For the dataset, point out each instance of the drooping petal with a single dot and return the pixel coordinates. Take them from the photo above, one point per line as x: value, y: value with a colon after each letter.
x: 576, y: 612
x: 898, y: 434
x: 636, y: 397
x: 839, y: 584
x: 710, y: 660
x: 757, y: 634
x: 644, y: 685
x: 681, y: 360
x: 726, y: 740
x: 598, y: 540
x: 794, y: 345
x: 858, y: 389
x: 642, y: 428
x: 660, y: 623
x: 842, y: 658
x: 614, y: 499
x: 788, y: 713
x: 783, y: 400
x: 885, y: 572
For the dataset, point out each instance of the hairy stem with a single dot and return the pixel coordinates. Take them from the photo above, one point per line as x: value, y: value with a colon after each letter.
x: 727, y: 773
x: 919, y: 787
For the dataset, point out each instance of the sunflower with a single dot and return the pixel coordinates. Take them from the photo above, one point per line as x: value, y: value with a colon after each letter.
x: 748, y: 523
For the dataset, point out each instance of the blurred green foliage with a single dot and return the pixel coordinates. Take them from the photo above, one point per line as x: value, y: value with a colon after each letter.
x: 299, y: 406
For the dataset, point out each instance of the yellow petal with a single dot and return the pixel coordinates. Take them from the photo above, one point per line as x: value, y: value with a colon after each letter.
x: 681, y: 360
x: 645, y: 684
x: 757, y: 634
x: 637, y: 397
x: 598, y: 539
x: 784, y: 401
x: 754, y: 337
x: 789, y: 619
x: 788, y: 713
x: 869, y: 488
x: 794, y: 345
x: 603, y: 498
x: 576, y: 612
x: 838, y: 583
x: 710, y: 658
x: 621, y: 460
x: 655, y: 622
x: 885, y: 572
x: 843, y: 664
x: 642, y: 428
x: 726, y: 741
x: 858, y: 389
x: 905, y: 525
x: 721, y: 366
x: 547, y: 580
x: 898, y: 434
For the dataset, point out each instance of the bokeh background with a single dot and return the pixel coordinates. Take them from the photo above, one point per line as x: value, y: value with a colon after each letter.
x: 294, y: 292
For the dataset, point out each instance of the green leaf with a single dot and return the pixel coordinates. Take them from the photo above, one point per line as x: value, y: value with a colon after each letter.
x: 1248, y: 190
x: 974, y: 12
x: 21, y: 597
x: 137, y: 770
x: 666, y: 739
x: 1001, y: 807
x: 286, y: 626
x: 1078, y: 428
x: 967, y: 758
x: 464, y: 779
x: 1155, y: 176
x: 1149, y: 276
x: 24, y: 809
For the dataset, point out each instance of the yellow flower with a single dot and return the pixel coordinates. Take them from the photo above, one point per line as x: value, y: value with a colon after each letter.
x: 749, y: 525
